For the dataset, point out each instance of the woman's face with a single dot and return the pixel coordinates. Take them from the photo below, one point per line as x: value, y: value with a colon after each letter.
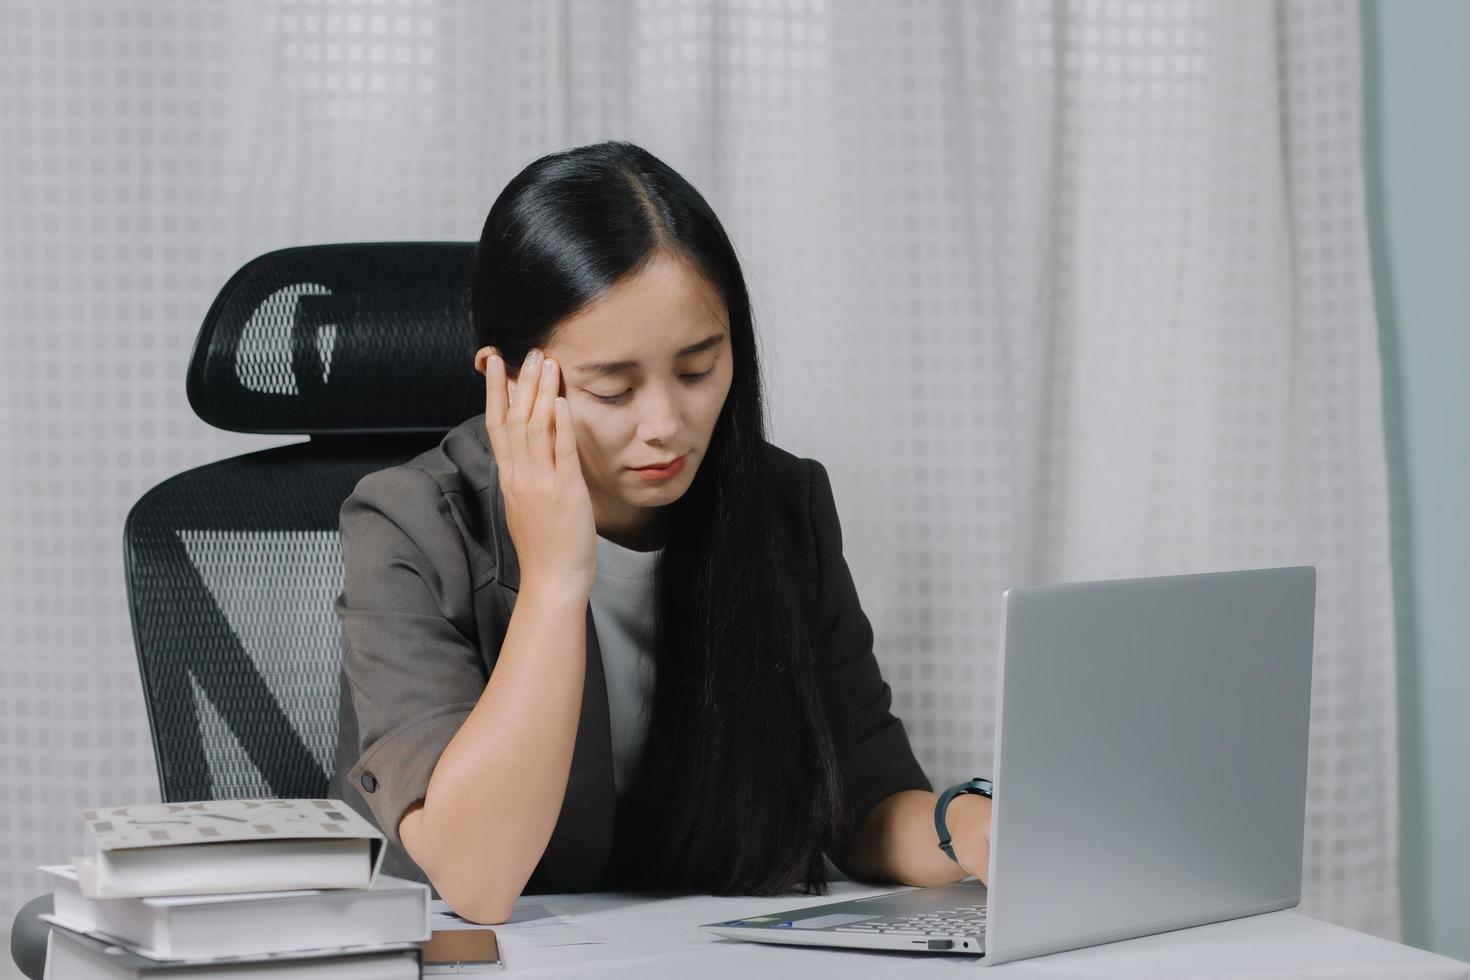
x: 645, y: 371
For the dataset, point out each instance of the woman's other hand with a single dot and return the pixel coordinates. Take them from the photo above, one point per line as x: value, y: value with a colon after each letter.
x: 968, y: 818
x: 548, y: 509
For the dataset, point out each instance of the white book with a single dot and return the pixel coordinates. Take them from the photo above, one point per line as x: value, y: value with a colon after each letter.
x: 226, y: 846
x: 392, y: 910
x: 70, y: 956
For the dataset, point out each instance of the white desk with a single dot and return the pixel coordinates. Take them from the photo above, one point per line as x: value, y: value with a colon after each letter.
x: 650, y: 938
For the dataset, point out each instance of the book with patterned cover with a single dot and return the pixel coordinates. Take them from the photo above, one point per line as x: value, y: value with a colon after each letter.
x: 226, y: 846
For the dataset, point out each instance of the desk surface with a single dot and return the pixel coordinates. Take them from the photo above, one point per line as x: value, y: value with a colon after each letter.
x: 649, y: 937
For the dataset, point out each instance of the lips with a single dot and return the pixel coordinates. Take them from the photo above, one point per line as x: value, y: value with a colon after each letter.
x: 661, y: 466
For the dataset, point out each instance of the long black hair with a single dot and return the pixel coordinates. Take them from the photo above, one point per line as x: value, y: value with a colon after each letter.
x: 739, y: 790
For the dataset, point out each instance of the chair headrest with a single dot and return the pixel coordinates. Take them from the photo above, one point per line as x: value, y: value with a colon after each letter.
x: 341, y: 339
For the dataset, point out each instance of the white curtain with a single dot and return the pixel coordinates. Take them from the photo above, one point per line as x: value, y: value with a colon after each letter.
x: 1056, y: 291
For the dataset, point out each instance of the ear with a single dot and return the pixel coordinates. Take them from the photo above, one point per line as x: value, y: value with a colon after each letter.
x: 482, y: 358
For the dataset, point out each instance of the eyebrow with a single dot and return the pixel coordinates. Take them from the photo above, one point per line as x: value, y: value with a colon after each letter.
x: 600, y: 368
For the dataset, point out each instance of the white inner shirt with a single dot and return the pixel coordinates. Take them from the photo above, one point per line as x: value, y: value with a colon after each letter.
x: 622, y: 612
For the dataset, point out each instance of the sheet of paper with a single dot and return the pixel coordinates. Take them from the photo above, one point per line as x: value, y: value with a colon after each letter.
x: 530, y: 925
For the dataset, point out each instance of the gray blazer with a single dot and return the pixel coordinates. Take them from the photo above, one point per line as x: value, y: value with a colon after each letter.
x: 430, y: 580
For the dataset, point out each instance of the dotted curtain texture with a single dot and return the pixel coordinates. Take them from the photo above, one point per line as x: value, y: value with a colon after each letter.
x: 1056, y: 291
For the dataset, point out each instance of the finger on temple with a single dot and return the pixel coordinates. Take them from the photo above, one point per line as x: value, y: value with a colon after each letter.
x: 496, y: 400
x: 566, y: 436
x: 541, y: 411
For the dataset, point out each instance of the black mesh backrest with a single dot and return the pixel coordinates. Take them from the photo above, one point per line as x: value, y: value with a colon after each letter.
x: 232, y: 567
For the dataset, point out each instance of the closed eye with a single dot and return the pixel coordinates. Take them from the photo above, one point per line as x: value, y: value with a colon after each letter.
x: 622, y: 396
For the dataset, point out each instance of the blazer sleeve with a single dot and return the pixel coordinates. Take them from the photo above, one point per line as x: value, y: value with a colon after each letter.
x: 877, y: 759
x: 410, y: 659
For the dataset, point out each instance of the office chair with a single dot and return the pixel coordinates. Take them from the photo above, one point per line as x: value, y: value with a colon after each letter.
x: 232, y: 567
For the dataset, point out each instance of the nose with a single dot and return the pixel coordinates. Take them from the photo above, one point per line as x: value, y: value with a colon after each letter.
x: 658, y: 416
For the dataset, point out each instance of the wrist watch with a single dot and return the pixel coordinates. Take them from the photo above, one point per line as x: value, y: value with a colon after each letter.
x: 978, y: 786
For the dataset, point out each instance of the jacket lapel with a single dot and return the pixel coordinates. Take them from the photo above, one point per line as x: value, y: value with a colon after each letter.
x: 582, y: 840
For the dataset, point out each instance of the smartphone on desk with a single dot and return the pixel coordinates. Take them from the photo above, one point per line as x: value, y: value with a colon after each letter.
x: 459, y: 952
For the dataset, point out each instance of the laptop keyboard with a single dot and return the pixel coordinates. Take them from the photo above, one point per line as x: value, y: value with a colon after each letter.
x: 961, y: 920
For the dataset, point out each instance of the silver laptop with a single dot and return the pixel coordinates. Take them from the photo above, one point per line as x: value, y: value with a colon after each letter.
x: 1150, y: 773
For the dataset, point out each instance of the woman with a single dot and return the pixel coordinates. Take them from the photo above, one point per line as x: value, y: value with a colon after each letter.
x: 603, y: 636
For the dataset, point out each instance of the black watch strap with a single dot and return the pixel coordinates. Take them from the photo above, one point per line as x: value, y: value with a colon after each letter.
x: 978, y: 786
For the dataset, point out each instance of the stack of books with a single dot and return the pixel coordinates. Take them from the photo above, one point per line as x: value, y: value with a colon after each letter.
x: 245, y: 889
